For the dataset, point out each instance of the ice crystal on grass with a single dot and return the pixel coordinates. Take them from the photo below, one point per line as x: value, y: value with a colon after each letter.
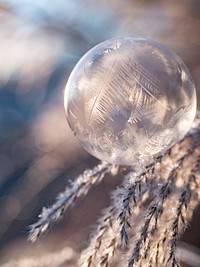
x: 67, y: 198
x: 147, y: 213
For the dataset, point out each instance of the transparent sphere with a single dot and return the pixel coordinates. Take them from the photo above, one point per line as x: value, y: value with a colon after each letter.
x: 129, y: 99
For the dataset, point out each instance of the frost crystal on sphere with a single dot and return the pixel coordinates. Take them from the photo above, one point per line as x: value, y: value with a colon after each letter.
x: 129, y: 99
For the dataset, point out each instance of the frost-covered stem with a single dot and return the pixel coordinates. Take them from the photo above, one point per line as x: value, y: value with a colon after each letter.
x: 133, y: 189
x: 109, y: 253
x: 126, y: 210
x: 79, y: 187
x: 106, y: 237
x: 155, y: 210
x: 104, y: 224
x: 175, y: 227
x: 180, y: 220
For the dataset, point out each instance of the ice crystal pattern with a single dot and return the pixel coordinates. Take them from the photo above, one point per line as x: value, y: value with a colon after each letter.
x: 128, y: 100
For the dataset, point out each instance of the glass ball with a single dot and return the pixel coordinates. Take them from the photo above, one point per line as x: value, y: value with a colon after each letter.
x: 129, y: 99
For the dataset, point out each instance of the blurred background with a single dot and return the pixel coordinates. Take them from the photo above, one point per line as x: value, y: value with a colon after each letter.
x: 40, y: 42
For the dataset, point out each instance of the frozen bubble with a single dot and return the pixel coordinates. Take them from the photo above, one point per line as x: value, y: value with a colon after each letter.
x: 129, y: 99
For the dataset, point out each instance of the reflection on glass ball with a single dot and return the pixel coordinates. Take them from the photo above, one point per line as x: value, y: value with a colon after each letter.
x: 129, y: 99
